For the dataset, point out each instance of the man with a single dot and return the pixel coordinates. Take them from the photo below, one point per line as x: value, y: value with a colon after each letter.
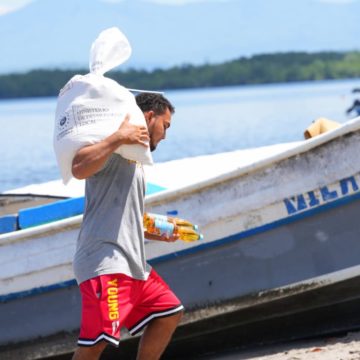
x: 117, y: 286
x: 354, y: 107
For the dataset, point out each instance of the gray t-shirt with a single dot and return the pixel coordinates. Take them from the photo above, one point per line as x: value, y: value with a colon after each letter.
x: 111, y: 238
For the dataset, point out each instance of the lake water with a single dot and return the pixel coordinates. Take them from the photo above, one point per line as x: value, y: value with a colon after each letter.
x: 206, y: 121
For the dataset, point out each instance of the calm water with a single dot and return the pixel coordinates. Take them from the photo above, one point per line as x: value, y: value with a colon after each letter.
x: 206, y: 121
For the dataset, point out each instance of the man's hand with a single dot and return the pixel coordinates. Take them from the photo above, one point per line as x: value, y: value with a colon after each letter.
x: 165, y: 238
x: 172, y: 238
x: 133, y: 134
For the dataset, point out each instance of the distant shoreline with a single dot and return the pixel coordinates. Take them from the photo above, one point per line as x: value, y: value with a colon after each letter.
x: 303, y: 82
x: 259, y: 69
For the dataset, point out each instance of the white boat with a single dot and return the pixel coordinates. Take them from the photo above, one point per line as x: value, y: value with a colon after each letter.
x: 281, y: 241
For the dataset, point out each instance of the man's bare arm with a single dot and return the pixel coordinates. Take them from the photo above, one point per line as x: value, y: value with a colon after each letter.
x: 90, y: 159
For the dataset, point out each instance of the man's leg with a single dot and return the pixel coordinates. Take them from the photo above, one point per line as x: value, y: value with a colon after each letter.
x: 89, y: 353
x: 157, y: 336
x: 100, y: 323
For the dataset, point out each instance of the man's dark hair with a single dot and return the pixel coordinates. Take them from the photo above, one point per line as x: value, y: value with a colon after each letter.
x: 155, y: 102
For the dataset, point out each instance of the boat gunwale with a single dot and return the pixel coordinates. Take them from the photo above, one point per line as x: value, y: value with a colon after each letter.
x: 302, y: 147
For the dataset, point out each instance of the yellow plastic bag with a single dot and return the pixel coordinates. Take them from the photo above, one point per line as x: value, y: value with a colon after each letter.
x: 320, y: 126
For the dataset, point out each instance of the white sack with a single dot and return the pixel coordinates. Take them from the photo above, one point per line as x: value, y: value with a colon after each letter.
x: 92, y: 107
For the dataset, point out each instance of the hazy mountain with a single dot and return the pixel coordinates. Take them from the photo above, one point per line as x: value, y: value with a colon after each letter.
x: 58, y: 33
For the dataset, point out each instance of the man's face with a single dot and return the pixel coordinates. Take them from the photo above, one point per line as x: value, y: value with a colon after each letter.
x: 157, y: 126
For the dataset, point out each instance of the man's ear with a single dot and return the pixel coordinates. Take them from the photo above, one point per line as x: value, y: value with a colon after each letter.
x: 149, y: 115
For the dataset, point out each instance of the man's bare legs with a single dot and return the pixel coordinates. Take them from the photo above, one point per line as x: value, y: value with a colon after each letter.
x: 152, y: 344
x: 89, y: 353
x: 157, y: 336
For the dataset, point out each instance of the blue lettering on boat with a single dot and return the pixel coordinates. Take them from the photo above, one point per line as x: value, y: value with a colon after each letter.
x: 324, y: 194
x: 344, y: 185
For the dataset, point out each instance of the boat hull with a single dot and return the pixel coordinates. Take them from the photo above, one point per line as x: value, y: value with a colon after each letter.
x: 236, y: 285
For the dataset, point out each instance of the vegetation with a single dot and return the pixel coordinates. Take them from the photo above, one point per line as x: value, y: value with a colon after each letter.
x: 258, y: 69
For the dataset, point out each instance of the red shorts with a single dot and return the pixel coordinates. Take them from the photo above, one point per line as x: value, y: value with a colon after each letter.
x: 112, y: 301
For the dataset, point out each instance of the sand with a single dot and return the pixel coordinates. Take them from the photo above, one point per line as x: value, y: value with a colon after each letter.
x: 346, y: 347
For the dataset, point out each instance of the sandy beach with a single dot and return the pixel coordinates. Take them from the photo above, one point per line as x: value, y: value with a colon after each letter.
x: 346, y: 347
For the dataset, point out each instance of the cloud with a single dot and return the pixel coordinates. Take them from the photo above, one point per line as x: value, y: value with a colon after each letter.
x: 4, y: 10
x: 169, y: 2
x: 7, y: 6
x: 112, y: 1
x: 183, y: 2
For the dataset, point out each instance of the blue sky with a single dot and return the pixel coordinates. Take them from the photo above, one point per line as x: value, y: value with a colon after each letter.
x: 7, y: 6
x: 214, y: 31
x: 12, y: 5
